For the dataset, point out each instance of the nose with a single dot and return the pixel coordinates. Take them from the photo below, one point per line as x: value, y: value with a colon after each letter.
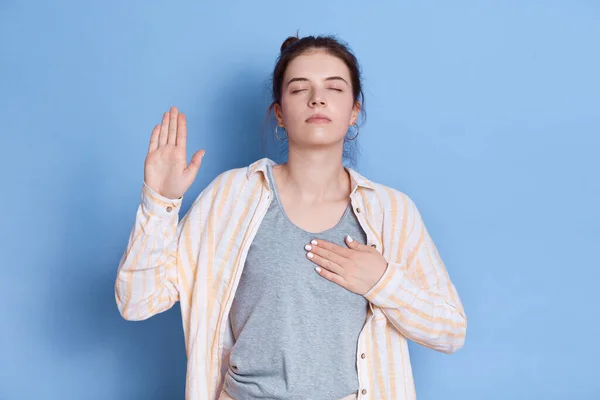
x: 317, y: 99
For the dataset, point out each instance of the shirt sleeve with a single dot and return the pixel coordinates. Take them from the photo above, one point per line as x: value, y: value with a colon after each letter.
x: 147, y: 281
x: 415, y: 292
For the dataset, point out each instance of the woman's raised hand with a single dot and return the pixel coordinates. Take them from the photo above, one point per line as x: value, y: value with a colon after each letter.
x: 166, y: 170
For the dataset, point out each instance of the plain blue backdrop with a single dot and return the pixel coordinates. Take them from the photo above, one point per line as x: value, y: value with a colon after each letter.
x: 486, y: 113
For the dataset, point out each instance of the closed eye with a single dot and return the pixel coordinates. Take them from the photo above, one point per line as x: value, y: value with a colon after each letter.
x: 336, y: 89
x: 298, y: 91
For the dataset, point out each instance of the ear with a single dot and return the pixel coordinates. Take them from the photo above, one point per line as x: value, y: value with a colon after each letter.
x: 278, y: 114
x: 355, y: 112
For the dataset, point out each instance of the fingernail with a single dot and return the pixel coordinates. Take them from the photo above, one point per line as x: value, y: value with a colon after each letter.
x: 350, y: 239
x: 310, y: 255
x: 308, y: 247
x: 313, y: 242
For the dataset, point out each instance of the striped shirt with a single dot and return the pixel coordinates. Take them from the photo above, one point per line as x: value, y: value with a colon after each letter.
x: 198, y: 261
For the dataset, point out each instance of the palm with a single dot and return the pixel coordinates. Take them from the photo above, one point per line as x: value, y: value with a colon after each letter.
x: 166, y: 170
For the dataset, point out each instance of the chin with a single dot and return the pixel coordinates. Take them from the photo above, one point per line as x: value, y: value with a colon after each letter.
x: 318, y: 132
x: 322, y: 141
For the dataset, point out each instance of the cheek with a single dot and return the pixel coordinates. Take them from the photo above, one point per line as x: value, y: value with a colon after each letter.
x: 343, y: 108
x: 291, y: 107
x: 342, y: 103
x: 349, y: 104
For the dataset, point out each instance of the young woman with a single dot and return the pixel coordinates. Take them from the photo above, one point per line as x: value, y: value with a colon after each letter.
x: 300, y: 280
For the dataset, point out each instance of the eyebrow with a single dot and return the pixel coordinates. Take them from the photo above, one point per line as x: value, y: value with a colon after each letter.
x: 331, y: 78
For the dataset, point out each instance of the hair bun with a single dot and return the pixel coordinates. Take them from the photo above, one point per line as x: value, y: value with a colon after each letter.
x: 288, y: 42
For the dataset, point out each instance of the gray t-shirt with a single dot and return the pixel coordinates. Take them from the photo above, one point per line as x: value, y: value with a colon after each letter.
x: 296, y: 333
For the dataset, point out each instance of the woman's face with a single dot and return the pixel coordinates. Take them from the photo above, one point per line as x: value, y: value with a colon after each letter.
x: 317, y: 105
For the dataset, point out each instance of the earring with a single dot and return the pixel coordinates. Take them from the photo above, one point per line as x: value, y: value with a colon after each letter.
x: 357, y: 132
x: 277, y: 135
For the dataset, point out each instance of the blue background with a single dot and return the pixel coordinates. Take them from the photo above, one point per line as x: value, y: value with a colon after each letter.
x: 486, y: 114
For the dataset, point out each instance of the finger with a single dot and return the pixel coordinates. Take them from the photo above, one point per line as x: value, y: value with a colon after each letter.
x: 172, y: 126
x: 181, y: 131
x: 194, y: 165
x: 335, y: 278
x: 164, y: 130
x: 154, y: 139
x: 346, y: 253
x: 324, y: 263
x: 326, y: 254
x: 355, y: 245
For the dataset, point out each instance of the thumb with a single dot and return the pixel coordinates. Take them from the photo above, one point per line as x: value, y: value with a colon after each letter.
x: 194, y: 165
x: 353, y: 244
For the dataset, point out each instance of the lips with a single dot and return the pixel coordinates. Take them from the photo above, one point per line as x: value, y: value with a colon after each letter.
x: 318, y: 119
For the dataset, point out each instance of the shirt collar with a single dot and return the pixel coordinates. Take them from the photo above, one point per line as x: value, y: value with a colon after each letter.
x: 261, y: 165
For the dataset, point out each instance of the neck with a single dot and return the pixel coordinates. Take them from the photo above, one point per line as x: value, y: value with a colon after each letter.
x: 315, y: 178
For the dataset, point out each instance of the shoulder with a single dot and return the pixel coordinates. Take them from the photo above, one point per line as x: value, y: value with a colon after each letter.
x: 233, y: 180
x: 398, y: 210
x: 237, y: 176
x: 390, y: 198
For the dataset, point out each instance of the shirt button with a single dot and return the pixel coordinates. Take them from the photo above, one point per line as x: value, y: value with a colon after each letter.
x: 169, y: 209
x: 374, y: 245
x: 357, y: 209
x: 364, y: 391
x: 363, y: 355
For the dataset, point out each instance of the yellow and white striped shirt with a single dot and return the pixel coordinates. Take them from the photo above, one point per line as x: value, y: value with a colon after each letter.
x: 198, y: 261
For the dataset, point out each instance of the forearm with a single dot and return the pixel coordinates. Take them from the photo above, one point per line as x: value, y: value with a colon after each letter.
x: 146, y: 281
x: 425, y: 315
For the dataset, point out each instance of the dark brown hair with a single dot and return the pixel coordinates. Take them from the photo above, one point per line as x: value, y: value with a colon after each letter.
x: 293, y: 47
